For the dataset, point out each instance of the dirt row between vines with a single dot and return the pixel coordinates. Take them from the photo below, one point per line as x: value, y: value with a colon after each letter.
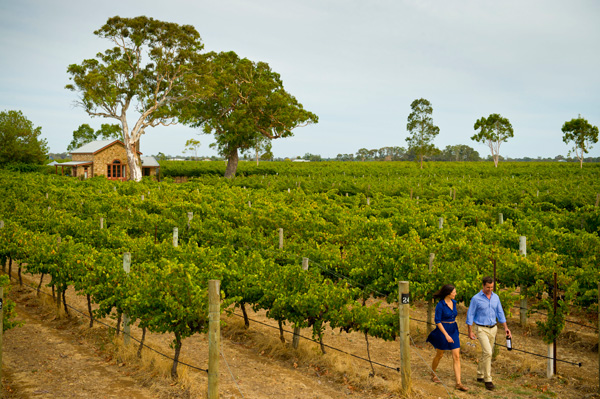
x: 54, y: 356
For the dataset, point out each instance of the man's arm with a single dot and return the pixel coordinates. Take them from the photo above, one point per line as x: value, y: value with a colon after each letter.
x: 502, y: 319
x: 470, y: 317
x: 470, y: 328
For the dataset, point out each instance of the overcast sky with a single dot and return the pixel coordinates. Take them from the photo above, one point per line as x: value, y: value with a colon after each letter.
x: 358, y: 65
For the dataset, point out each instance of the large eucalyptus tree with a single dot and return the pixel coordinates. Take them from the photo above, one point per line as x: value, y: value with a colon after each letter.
x: 421, y: 128
x: 152, y: 66
x: 247, y: 103
x: 582, y: 134
x: 493, y: 131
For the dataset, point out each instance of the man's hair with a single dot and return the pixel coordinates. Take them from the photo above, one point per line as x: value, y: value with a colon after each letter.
x: 487, y: 280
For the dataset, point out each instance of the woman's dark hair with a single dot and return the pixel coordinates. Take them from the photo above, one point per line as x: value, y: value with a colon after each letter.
x: 444, y: 291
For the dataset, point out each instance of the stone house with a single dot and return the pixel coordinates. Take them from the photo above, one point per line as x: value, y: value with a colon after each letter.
x: 106, y: 158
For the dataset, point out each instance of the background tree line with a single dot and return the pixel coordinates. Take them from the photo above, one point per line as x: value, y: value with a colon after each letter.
x: 456, y: 153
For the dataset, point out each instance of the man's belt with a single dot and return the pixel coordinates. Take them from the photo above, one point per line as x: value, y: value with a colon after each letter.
x: 481, y: 325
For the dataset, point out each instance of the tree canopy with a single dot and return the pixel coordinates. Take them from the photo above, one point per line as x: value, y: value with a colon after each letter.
x: 247, y: 102
x: 582, y: 134
x: 457, y: 153
x: 152, y: 66
x: 421, y: 128
x: 20, y: 140
x: 192, y: 146
x: 494, y: 130
x: 86, y: 134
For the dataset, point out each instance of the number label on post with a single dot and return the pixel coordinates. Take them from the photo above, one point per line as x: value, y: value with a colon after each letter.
x: 406, y: 299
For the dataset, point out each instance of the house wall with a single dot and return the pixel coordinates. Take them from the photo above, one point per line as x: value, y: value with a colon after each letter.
x: 107, y: 156
x: 103, y: 158
x: 83, y: 157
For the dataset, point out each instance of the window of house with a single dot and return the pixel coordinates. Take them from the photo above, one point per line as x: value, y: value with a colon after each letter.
x: 115, y: 170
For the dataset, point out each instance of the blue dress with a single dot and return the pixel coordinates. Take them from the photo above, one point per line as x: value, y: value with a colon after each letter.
x: 444, y: 315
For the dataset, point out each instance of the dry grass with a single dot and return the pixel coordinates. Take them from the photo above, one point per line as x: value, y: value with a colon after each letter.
x: 339, y: 367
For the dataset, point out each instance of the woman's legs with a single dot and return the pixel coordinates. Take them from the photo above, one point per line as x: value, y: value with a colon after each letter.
x: 456, y: 364
x: 436, y: 360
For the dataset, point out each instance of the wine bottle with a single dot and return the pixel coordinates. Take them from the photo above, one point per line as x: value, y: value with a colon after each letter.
x: 508, y: 342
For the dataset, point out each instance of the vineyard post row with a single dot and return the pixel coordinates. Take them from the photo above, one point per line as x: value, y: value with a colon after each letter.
x: 214, y: 337
x: 126, y: 326
x: 404, y: 334
x: 523, y: 307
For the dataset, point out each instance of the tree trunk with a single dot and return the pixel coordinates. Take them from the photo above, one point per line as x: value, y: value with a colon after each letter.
x: 281, y: 337
x: 372, y: 373
x: 40, y: 284
x: 133, y: 161
x: 232, y: 163
x: 246, y: 321
x: 89, y: 301
x: 139, y: 352
x: 10, y: 262
x: 176, y: 357
x: 64, y: 300
x: 321, y: 342
x: 119, y: 314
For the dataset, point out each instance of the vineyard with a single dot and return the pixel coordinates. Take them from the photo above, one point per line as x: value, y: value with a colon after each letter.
x: 318, y: 246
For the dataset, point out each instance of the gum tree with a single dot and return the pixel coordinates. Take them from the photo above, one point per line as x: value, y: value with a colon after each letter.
x: 85, y: 134
x: 582, y: 134
x: 152, y: 66
x: 421, y: 128
x: 493, y: 131
x: 20, y: 141
x: 247, y: 103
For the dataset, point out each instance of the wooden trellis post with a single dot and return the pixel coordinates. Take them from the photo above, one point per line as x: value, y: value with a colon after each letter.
x: 404, y: 334
x: 214, y: 337
x: 280, y: 238
x: 190, y: 216
x: 175, y: 236
x: 126, y: 326
x: 523, y: 307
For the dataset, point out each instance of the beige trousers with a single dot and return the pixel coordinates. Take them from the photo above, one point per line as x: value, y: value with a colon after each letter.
x: 487, y: 338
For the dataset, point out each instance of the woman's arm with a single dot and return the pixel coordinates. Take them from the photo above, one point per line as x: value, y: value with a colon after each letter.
x: 443, y: 330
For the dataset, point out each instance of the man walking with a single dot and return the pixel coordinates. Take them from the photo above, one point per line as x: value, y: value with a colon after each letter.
x: 484, y: 310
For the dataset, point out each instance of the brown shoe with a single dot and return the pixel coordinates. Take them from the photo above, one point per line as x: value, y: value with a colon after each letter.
x: 489, y: 386
x: 461, y: 387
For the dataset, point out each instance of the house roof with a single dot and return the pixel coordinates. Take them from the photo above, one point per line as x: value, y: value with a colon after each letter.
x: 70, y: 163
x: 150, y: 162
x: 96, y: 146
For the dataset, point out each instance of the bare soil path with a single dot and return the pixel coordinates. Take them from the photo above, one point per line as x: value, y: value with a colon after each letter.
x: 59, y: 357
x: 45, y: 358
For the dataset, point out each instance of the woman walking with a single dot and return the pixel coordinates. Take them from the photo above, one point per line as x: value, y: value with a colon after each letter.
x: 445, y: 336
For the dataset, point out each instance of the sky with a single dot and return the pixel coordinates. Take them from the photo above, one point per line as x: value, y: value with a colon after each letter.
x: 358, y: 65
